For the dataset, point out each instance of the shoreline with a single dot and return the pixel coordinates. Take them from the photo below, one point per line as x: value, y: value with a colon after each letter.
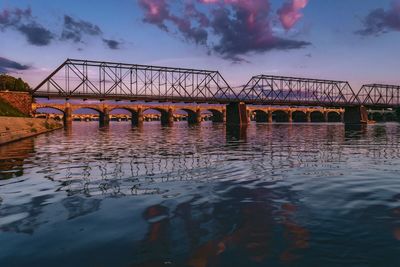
x: 13, y: 129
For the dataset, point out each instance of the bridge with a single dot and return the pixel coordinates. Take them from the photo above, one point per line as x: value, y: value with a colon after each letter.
x: 195, y: 90
x: 196, y: 113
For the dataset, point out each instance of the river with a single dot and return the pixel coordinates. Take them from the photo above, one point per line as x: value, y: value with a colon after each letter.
x: 273, y: 195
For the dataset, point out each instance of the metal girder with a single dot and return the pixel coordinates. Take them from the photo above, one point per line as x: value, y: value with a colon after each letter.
x: 109, y: 80
x: 380, y: 95
x: 85, y: 79
x: 279, y: 90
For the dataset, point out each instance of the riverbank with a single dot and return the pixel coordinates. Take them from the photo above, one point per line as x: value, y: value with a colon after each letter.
x: 14, y: 129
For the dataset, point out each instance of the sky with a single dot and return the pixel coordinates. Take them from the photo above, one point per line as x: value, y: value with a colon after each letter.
x: 353, y: 40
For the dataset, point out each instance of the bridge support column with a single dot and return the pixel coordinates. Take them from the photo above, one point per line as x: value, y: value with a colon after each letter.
x: 270, y: 120
x: 342, y: 117
x: 104, y: 118
x: 137, y: 119
x: 356, y: 115
x: 67, y: 116
x: 195, y: 118
x: 308, y: 114
x: 167, y: 118
x: 326, y: 116
x: 290, y: 116
x: 236, y: 114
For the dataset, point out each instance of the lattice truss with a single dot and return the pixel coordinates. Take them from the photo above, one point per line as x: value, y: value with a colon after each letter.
x: 379, y: 95
x: 264, y: 89
x: 79, y: 78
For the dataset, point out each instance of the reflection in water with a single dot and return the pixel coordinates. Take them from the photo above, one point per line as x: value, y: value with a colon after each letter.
x: 277, y: 195
x: 12, y: 158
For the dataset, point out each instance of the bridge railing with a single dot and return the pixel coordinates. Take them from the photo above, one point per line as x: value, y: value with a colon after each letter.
x: 278, y: 90
x: 109, y: 80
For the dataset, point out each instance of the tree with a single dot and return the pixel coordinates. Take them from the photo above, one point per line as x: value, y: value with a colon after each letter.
x: 10, y: 83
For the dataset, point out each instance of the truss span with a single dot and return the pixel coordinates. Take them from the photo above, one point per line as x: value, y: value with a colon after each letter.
x: 379, y: 95
x: 279, y: 90
x: 85, y: 79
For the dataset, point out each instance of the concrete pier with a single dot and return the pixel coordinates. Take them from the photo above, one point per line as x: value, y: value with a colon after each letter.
x: 355, y: 115
x: 236, y: 114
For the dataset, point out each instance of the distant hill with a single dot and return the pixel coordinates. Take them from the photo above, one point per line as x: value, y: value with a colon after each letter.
x: 9, y: 83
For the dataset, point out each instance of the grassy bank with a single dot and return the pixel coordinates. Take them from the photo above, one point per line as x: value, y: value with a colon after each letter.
x: 7, y: 110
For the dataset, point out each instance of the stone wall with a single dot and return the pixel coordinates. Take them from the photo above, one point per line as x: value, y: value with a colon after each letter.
x: 20, y: 100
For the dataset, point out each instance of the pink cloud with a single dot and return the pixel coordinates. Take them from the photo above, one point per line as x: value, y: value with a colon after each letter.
x: 230, y: 28
x: 290, y: 12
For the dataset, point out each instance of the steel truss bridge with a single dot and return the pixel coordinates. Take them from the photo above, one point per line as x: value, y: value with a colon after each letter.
x: 83, y: 79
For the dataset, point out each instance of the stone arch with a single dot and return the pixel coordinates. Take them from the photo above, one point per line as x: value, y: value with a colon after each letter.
x: 217, y: 116
x: 166, y: 114
x: 260, y: 115
x: 334, y: 116
x: 389, y: 116
x: 191, y: 115
x: 48, y: 107
x: 104, y: 118
x: 299, y: 116
x: 280, y: 115
x: 317, y: 116
x: 136, y: 114
x: 98, y: 110
x: 377, y: 116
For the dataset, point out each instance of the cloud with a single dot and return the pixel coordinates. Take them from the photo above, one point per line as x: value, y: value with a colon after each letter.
x: 36, y: 34
x: 112, y: 44
x: 157, y: 12
x: 22, y: 21
x: 290, y: 12
x: 380, y: 21
x: 230, y: 28
x: 75, y: 29
x: 7, y: 65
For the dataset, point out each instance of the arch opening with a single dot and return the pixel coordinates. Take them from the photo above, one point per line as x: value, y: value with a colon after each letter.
x: 377, y: 116
x: 317, y: 116
x: 188, y: 115
x: 49, y: 112
x: 90, y: 114
x: 216, y: 116
x: 280, y: 116
x: 299, y: 116
x: 124, y: 114
x: 334, y: 117
x: 158, y: 114
x: 260, y: 116
x: 390, y: 116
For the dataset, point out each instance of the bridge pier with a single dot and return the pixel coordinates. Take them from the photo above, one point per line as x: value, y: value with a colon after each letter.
x: 194, y: 118
x: 167, y: 118
x: 308, y: 115
x: 290, y: 116
x: 104, y: 118
x: 137, y: 117
x: 270, y: 119
x: 326, y: 116
x: 236, y: 114
x: 355, y: 115
x: 67, y: 119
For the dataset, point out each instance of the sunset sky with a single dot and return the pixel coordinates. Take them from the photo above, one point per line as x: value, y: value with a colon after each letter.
x: 354, y: 40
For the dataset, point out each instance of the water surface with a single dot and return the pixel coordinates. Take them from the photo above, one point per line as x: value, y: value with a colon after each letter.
x: 274, y: 195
